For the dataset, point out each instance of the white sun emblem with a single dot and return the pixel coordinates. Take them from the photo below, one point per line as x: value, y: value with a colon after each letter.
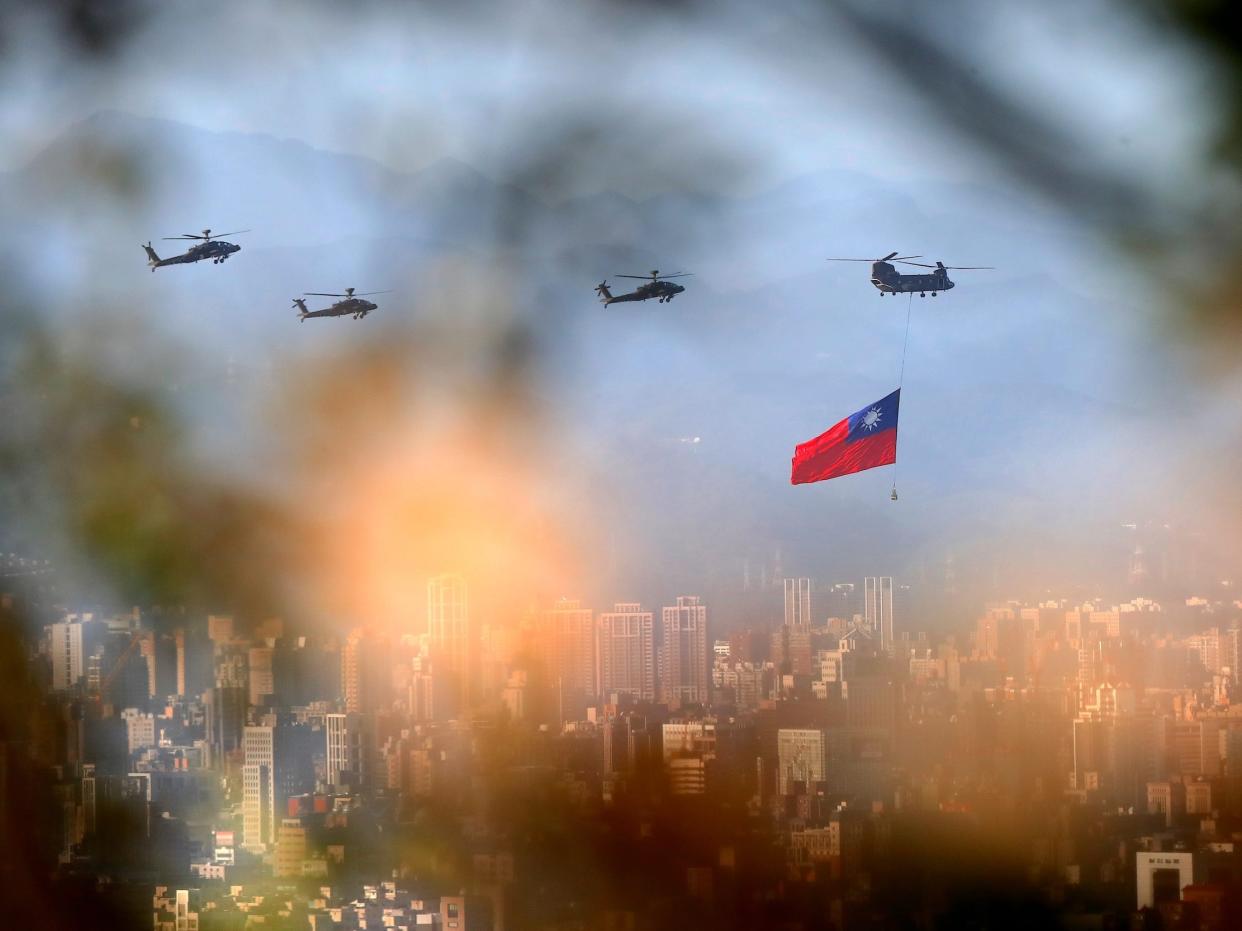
x: 871, y: 419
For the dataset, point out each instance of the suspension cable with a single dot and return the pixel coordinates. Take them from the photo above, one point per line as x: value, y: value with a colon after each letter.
x: 901, y: 378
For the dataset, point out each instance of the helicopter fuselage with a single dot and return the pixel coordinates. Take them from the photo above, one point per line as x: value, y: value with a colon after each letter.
x: 353, y: 307
x: 216, y: 250
x: 888, y: 280
x: 663, y: 291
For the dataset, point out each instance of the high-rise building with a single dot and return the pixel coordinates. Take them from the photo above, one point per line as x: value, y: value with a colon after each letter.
x: 276, y: 766
x: 365, y: 673
x: 450, y: 636
x: 68, y: 653
x: 802, y: 758
x: 182, y: 663
x: 262, y: 681
x: 352, y: 672
x: 231, y: 666
x: 870, y: 701
x: 797, y: 602
x: 193, y: 662
x: 258, y: 787
x: 226, y: 716
x: 1231, y: 652
x: 146, y: 649
x: 627, y: 652
x: 343, y: 733
x: 627, y: 742
x: 684, y: 656
x: 791, y: 650
x: 878, y: 608
x: 565, y: 638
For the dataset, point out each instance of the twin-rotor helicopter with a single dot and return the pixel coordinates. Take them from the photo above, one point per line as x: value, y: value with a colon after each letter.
x: 888, y: 280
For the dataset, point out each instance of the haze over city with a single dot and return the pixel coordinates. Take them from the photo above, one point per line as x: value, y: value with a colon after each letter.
x: 400, y: 544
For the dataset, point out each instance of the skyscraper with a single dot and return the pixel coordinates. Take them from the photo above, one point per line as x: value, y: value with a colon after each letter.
x: 226, y: 716
x: 262, y: 681
x: 258, y: 787
x: 797, y: 602
x: 566, y: 642
x: 878, y: 608
x: 684, y: 655
x: 345, y: 755
x: 68, y: 653
x: 351, y: 672
x: 449, y: 635
x: 277, y: 765
x: 627, y: 652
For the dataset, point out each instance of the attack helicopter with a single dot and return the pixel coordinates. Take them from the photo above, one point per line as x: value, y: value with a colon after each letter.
x: 208, y: 247
x: 888, y: 280
x: 353, y: 304
x: 657, y: 286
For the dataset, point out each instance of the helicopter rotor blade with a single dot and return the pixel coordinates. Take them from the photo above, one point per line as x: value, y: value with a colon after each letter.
x: 234, y: 233
x: 919, y: 264
x: 902, y: 258
x: 964, y: 268
x: 321, y: 294
x: 657, y: 278
x: 887, y: 257
x: 365, y: 293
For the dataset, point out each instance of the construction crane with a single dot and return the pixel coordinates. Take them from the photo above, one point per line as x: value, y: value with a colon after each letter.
x: 134, y: 642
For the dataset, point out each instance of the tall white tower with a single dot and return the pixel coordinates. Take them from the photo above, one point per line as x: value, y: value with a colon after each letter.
x: 878, y: 607
x: 797, y: 602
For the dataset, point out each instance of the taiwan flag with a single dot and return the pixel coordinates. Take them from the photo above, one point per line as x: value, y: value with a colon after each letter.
x: 859, y: 442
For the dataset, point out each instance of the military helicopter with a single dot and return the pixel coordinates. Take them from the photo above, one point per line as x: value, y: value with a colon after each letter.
x: 890, y: 281
x: 209, y: 247
x: 353, y: 305
x: 657, y: 286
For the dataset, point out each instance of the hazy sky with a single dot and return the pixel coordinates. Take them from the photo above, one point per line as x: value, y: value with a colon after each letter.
x: 1041, y: 401
x: 788, y: 85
